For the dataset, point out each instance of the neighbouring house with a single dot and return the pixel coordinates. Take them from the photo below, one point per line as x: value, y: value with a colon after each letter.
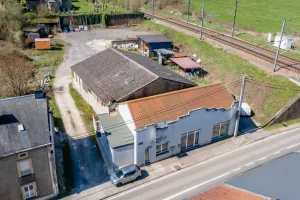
x: 32, y: 4
x: 226, y: 192
x: 52, y: 5
x: 274, y: 180
x: 149, y: 43
x: 114, y: 75
x: 48, y: 24
x: 188, y: 68
x: 27, y: 153
x: 150, y: 129
x: 277, y: 179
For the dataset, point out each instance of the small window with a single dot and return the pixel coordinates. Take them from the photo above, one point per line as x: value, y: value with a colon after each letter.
x: 29, y: 190
x: 24, y: 167
x: 23, y: 155
x: 161, y: 148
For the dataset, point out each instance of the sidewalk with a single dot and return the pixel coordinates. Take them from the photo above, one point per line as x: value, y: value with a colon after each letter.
x: 179, y: 162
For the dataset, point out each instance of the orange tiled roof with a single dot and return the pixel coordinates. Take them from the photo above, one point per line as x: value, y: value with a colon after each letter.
x: 225, y: 192
x: 169, y: 106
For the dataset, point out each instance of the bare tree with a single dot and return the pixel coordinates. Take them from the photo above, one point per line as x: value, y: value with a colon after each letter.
x: 15, y: 74
x: 42, y: 9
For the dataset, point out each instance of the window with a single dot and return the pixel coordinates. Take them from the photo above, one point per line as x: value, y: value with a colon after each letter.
x: 190, y: 139
x: 161, y: 148
x: 29, y: 190
x: 23, y: 155
x: 24, y: 167
x: 220, y: 129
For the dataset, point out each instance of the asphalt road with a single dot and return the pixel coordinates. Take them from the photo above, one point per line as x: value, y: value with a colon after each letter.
x: 193, y: 180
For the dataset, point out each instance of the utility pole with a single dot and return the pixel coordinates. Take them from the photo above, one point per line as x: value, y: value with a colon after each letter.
x: 236, y: 130
x: 188, y: 14
x: 152, y: 9
x: 234, y: 18
x: 202, y: 20
x: 278, y: 49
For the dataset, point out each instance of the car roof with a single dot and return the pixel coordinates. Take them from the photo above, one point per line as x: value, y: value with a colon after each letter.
x: 129, y: 168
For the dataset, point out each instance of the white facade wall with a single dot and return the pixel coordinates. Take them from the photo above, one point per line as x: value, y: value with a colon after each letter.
x: 123, y: 156
x: 91, y: 98
x: 199, y: 119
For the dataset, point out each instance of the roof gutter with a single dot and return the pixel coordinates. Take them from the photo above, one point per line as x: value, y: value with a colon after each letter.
x: 28, y: 149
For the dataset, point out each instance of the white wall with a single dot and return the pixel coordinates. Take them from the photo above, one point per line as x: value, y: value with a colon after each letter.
x: 89, y: 97
x: 199, y: 119
x: 123, y: 155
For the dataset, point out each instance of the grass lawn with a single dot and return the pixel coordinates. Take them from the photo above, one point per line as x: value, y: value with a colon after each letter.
x: 82, y: 6
x: 48, y: 58
x: 256, y: 15
x: 225, y: 67
x: 85, y: 109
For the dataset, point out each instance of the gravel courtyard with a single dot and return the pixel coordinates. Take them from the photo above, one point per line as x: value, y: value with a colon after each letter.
x: 88, y: 166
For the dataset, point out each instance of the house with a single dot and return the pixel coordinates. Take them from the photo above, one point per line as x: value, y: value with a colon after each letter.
x: 150, y: 129
x: 149, y: 43
x: 114, y: 75
x: 226, y: 192
x: 27, y: 153
x: 52, y: 5
x: 277, y: 179
x: 32, y: 4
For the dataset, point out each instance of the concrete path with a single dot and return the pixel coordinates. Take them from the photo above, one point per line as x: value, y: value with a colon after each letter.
x: 88, y: 166
x: 156, y: 176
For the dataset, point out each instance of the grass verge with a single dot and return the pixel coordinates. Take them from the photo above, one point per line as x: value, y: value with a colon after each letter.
x: 85, y: 109
x: 225, y: 67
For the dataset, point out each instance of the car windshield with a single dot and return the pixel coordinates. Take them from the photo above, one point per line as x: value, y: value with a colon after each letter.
x: 119, y: 173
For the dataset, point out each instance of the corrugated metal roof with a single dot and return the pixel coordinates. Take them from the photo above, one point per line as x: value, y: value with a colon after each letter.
x: 186, y: 63
x: 170, y: 106
x: 225, y: 192
x: 154, y: 38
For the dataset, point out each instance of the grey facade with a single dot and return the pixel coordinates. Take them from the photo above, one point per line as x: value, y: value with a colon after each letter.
x: 27, y: 153
x: 11, y: 184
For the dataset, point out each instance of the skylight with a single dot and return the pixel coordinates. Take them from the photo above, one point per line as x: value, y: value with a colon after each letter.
x: 120, y: 73
x: 129, y: 80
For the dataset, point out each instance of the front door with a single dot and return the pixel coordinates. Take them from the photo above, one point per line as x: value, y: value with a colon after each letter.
x: 147, y: 155
x: 183, y: 141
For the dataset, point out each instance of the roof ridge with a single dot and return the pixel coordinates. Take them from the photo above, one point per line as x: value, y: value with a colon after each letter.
x: 169, y: 93
x: 17, y: 97
x: 121, y: 53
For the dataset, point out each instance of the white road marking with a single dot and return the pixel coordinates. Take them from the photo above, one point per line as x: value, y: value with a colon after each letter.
x: 204, y: 162
x: 237, y: 169
x: 293, y: 146
x: 194, y: 187
x: 277, y: 152
x: 263, y: 158
x: 249, y: 164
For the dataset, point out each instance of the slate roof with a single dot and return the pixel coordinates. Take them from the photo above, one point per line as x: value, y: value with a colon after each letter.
x: 172, y: 105
x: 278, y: 179
x: 117, y: 135
x: 30, y: 112
x: 154, y: 38
x: 225, y: 192
x: 100, y: 73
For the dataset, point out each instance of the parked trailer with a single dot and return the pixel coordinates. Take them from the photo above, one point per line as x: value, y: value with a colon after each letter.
x: 42, y: 43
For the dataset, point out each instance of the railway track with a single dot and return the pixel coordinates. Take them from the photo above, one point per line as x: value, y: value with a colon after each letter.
x: 259, y: 52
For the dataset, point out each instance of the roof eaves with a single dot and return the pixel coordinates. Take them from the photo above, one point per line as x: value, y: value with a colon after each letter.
x: 241, y: 189
x: 169, y: 93
x: 31, y: 148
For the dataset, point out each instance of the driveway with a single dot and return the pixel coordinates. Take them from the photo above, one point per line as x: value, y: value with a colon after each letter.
x: 88, y: 167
